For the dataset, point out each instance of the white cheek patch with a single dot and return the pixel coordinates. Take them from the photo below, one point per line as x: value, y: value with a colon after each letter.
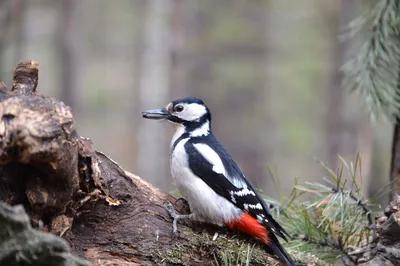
x: 191, y: 112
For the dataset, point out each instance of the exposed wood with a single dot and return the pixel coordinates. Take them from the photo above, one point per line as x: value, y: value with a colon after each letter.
x: 108, y: 215
x: 25, y: 79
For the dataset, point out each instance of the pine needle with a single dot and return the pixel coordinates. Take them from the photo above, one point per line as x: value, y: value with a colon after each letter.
x: 373, y: 71
x: 333, y: 217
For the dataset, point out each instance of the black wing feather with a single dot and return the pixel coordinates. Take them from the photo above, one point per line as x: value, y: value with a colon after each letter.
x: 224, y: 185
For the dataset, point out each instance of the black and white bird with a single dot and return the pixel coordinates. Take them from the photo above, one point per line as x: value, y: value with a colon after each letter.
x: 209, y: 179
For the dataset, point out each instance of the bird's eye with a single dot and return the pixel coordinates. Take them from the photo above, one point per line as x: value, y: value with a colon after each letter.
x: 179, y: 108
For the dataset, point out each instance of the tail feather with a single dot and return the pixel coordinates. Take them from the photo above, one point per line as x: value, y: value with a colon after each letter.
x: 249, y: 225
x: 280, y: 252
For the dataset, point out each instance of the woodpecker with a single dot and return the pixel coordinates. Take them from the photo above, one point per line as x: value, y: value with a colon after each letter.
x: 212, y: 183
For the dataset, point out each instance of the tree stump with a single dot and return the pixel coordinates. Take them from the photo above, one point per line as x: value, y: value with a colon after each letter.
x: 107, y: 215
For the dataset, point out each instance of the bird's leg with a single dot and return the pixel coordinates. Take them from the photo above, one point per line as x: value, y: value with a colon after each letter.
x: 176, y: 217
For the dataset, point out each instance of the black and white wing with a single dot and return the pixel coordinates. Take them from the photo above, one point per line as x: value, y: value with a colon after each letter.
x: 212, y: 163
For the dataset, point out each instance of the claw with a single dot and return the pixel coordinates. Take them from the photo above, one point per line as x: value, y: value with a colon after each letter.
x: 175, y: 217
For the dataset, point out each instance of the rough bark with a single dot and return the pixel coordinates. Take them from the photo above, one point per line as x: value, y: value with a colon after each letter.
x: 108, y: 215
x: 385, y: 249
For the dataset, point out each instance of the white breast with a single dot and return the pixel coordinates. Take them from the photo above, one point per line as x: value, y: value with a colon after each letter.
x: 204, y: 203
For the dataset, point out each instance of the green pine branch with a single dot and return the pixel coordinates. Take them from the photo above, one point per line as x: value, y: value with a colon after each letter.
x: 373, y: 70
x: 328, y: 220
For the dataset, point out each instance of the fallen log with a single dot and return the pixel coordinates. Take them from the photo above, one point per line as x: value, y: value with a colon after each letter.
x: 107, y: 215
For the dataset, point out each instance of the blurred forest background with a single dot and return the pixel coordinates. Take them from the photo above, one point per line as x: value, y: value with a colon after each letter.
x: 268, y: 70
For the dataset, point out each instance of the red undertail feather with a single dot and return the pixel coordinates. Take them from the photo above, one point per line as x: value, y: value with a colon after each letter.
x: 249, y: 225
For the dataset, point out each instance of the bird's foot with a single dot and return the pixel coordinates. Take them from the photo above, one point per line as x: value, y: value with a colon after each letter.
x: 176, y: 217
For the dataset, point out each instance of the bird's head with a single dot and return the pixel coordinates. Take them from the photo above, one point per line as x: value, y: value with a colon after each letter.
x: 189, y: 112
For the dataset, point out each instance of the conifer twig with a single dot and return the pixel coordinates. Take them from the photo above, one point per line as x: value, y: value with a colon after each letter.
x: 359, y: 202
x: 331, y: 219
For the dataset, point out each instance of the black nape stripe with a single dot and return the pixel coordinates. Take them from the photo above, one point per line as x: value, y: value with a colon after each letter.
x: 183, y: 136
x: 193, y: 125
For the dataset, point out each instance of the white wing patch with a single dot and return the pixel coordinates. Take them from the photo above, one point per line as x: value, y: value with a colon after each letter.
x: 244, y: 192
x: 252, y: 206
x: 212, y: 157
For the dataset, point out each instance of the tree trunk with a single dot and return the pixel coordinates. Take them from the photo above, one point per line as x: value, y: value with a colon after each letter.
x: 108, y: 215
x: 179, y: 50
x: 69, y: 54
x: 395, y: 161
x: 269, y: 115
x: 395, y: 154
x: 335, y: 122
x: 20, y: 32
x: 5, y: 21
x: 154, y: 89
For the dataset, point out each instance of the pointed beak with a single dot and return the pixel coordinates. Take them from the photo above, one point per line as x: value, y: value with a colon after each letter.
x: 156, y: 114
